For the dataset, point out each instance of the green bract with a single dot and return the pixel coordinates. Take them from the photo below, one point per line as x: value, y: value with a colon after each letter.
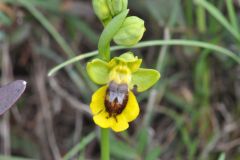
x: 117, y: 6
x: 127, y: 67
x: 131, y: 31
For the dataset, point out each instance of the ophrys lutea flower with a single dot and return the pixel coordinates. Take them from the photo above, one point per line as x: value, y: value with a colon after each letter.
x: 114, y: 104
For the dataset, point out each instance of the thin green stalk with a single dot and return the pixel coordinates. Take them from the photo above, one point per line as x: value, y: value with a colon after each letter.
x: 105, y: 153
x: 74, y: 76
x: 189, y: 12
x: 232, y: 14
x: 50, y: 5
x: 71, y: 61
x: 181, y: 42
x: 3, y: 157
x: 201, y: 19
x: 163, y: 52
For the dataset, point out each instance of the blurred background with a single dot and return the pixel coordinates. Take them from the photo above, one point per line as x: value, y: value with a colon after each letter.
x: 192, y: 113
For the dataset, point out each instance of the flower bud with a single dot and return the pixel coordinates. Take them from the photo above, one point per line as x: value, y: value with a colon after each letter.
x: 102, y: 10
x: 117, y: 6
x: 130, y: 32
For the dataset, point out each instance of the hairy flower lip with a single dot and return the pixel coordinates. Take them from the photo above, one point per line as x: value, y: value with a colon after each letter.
x: 116, y: 98
x: 120, y: 121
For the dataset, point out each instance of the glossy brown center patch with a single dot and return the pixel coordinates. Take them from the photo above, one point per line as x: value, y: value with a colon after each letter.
x: 116, y: 98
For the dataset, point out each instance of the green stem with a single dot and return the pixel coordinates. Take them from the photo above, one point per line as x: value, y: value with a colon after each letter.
x: 201, y: 21
x: 105, y: 154
x: 232, y: 14
x: 181, y: 42
x: 189, y: 12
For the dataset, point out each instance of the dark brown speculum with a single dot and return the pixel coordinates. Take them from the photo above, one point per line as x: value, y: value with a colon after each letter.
x: 116, y: 98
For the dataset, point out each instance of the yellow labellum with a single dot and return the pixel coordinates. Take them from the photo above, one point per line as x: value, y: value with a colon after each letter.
x: 119, y: 122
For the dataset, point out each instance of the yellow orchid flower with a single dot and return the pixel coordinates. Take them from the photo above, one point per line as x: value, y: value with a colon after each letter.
x: 114, y: 105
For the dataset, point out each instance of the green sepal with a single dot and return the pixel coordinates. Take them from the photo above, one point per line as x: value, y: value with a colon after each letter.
x: 144, y: 79
x: 117, y: 6
x: 129, y: 59
x: 98, y: 70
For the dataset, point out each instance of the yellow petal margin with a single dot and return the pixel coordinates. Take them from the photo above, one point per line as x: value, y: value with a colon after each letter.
x: 103, y: 120
x: 97, y: 104
x: 131, y: 110
x: 121, y: 124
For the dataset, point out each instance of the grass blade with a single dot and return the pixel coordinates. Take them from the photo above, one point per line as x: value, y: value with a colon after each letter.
x: 85, y: 141
x: 13, y: 158
x: 222, y: 156
x: 219, y: 16
x: 181, y: 42
x: 232, y: 14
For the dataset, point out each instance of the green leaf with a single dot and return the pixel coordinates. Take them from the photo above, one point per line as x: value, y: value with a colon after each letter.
x: 219, y: 16
x: 144, y: 79
x: 98, y: 71
x: 222, y: 156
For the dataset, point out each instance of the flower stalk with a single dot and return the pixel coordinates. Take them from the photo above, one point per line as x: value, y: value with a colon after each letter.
x: 105, y: 153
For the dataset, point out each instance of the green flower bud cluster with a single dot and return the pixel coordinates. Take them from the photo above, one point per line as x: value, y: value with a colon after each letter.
x: 131, y: 30
x: 102, y: 10
x: 117, y: 6
x: 107, y: 9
